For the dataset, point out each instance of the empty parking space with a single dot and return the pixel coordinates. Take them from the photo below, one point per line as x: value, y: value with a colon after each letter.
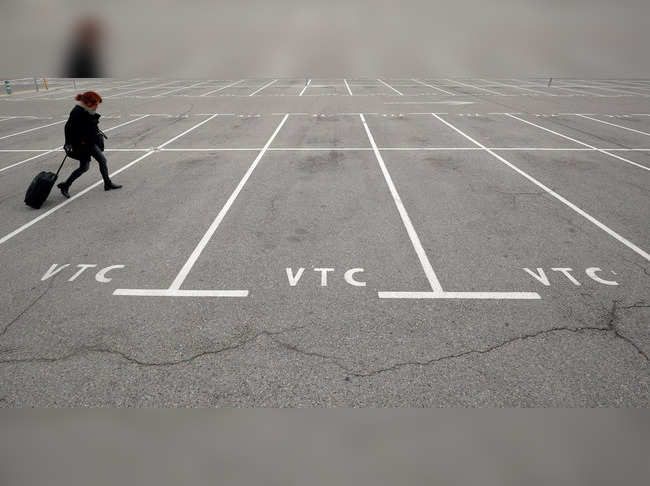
x: 41, y: 136
x: 11, y: 126
x: 236, y: 90
x: 372, y: 90
x: 594, y: 133
x: 602, y: 186
x: 326, y: 87
x: 417, y: 90
x: 641, y: 157
x: 304, y: 132
x: 292, y: 90
x: 587, y: 89
x: 631, y: 122
x: 203, y: 88
x: 482, y: 224
x: 150, y: 131
x: 148, y: 89
x: 326, y: 91
x: 330, y: 211
x: 502, y: 131
x: 413, y: 131
x: 497, y: 88
x: 229, y: 132
x: 456, y: 87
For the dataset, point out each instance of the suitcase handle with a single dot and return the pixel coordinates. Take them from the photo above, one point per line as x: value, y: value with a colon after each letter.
x: 57, y: 172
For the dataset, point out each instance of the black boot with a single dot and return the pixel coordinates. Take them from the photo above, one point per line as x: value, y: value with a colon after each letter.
x: 64, y: 189
x: 109, y: 185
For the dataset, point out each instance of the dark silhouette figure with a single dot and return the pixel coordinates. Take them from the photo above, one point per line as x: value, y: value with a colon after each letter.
x: 84, y: 56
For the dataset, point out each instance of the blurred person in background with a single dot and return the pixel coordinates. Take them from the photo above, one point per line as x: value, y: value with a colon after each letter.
x: 83, y: 59
x: 84, y: 139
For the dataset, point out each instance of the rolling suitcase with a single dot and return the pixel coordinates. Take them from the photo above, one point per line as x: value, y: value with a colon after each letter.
x: 41, y: 186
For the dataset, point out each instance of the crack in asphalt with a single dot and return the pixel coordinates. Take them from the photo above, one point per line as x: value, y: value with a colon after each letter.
x: 611, y: 317
x: 82, y: 350
x: 610, y: 326
x: 29, y: 306
x: 432, y: 361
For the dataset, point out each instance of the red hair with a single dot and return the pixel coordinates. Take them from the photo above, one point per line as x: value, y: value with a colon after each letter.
x: 89, y: 98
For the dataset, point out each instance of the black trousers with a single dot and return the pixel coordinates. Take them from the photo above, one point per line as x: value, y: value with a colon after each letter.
x: 84, y: 164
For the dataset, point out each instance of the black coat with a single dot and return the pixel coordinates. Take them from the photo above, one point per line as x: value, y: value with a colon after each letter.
x: 82, y: 132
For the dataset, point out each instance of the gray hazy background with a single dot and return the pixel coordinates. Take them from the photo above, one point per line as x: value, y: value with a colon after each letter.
x: 336, y: 38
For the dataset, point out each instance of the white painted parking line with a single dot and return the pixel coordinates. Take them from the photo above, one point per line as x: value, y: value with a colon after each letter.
x: 435, y: 87
x: 78, y: 88
x: 23, y: 150
x: 450, y: 102
x: 127, y: 150
x: 215, y: 149
x: 305, y: 88
x: 388, y: 85
x: 32, y: 129
x: 613, y: 89
x: 581, y: 92
x: 518, y: 87
x: 222, y: 88
x: 461, y: 295
x: 180, y: 293
x: 406, y: 220
x: 179, y: 89
x: 475, y: 87
x: 613, y: 124
x: 635, y: 86
x: 606, y: 152
x: 345, y: 81
x: 87, y: 189
x: 557, y: 196
x: 614, y: 84
x: 583, y: 87
x: 140, y: 89
x: 59, y: 148
x: 42, y: 154
x: 513, y: 149
x: 31, y: 116
x: 265, y: 86
x: 7, y: 118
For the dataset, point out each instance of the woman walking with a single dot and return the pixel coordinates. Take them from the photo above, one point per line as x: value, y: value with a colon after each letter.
x: 84, y: 139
